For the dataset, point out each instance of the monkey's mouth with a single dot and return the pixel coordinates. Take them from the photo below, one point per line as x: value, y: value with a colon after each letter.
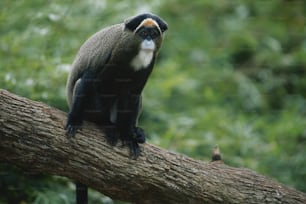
x: 148, y: 45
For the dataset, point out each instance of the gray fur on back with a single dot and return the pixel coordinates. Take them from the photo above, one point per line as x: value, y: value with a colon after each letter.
x: 92, y: 55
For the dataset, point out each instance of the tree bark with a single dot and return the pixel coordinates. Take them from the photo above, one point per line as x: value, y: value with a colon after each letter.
x: 32, y: 136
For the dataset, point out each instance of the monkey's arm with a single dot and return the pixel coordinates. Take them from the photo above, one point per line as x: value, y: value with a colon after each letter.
x: 81, y: 96
x: 129, y: 106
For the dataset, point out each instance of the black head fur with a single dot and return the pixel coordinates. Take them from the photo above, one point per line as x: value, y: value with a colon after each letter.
x: 133, y: 22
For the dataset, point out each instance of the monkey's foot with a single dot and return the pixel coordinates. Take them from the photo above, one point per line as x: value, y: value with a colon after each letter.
x: 131, y: 139
x: 139, y: 135
x: 113, y: 136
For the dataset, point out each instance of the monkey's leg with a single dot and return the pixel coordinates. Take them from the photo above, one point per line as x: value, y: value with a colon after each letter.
x: 138, y: 132
x: 99, y: 112
x: 126, y: 122
x: 126, y: 132
x: 80, y: 100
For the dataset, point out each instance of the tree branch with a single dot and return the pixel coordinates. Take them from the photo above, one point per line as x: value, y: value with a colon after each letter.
x: 32, y: 137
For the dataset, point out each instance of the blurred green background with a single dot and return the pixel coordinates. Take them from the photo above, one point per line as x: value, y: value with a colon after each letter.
x: 231, y: 73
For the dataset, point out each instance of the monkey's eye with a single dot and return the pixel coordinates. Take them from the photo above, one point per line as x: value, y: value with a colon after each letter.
x: 148, y: 32
x: 144, y: 33
x: 154, y: 33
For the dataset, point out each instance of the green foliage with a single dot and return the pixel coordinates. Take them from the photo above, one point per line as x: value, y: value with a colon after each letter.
x: 230, y: 73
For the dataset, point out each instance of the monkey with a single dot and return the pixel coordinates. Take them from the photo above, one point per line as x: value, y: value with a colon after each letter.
x: 109, y: 74
x: 107, y: 78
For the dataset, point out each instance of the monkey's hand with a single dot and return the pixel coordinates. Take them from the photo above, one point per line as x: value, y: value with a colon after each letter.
x: 72, y: 125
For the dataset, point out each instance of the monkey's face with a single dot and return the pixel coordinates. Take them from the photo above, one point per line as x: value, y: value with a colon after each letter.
x: 148, y: 29
x: 150, y: 34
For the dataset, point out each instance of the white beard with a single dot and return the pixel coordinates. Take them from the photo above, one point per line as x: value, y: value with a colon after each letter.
x: 145, y: 56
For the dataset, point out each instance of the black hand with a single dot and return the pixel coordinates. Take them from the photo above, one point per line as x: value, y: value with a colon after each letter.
x: 73, y: 124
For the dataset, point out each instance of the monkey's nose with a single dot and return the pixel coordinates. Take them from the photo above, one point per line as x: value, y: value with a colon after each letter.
x: 148, y: 45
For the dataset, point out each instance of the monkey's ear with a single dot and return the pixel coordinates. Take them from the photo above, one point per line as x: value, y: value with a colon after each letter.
x: 162, y: 24
x: 133, y: 22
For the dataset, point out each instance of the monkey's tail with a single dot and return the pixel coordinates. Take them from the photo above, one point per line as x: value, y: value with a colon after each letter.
x: 81, y: 193
x: 72, y: 82
x: 70, y: 89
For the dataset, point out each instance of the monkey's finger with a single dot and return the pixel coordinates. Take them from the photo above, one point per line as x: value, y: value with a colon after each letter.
x: 134, y: 149
x: 71, y: 130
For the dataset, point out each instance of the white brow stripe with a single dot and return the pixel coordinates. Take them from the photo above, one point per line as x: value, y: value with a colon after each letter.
x: 144, y: 21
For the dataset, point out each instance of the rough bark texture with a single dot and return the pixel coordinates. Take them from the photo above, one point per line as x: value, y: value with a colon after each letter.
x: 32, y: 137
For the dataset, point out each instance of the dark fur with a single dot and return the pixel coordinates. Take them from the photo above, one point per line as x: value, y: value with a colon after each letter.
x: 132, y: 23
